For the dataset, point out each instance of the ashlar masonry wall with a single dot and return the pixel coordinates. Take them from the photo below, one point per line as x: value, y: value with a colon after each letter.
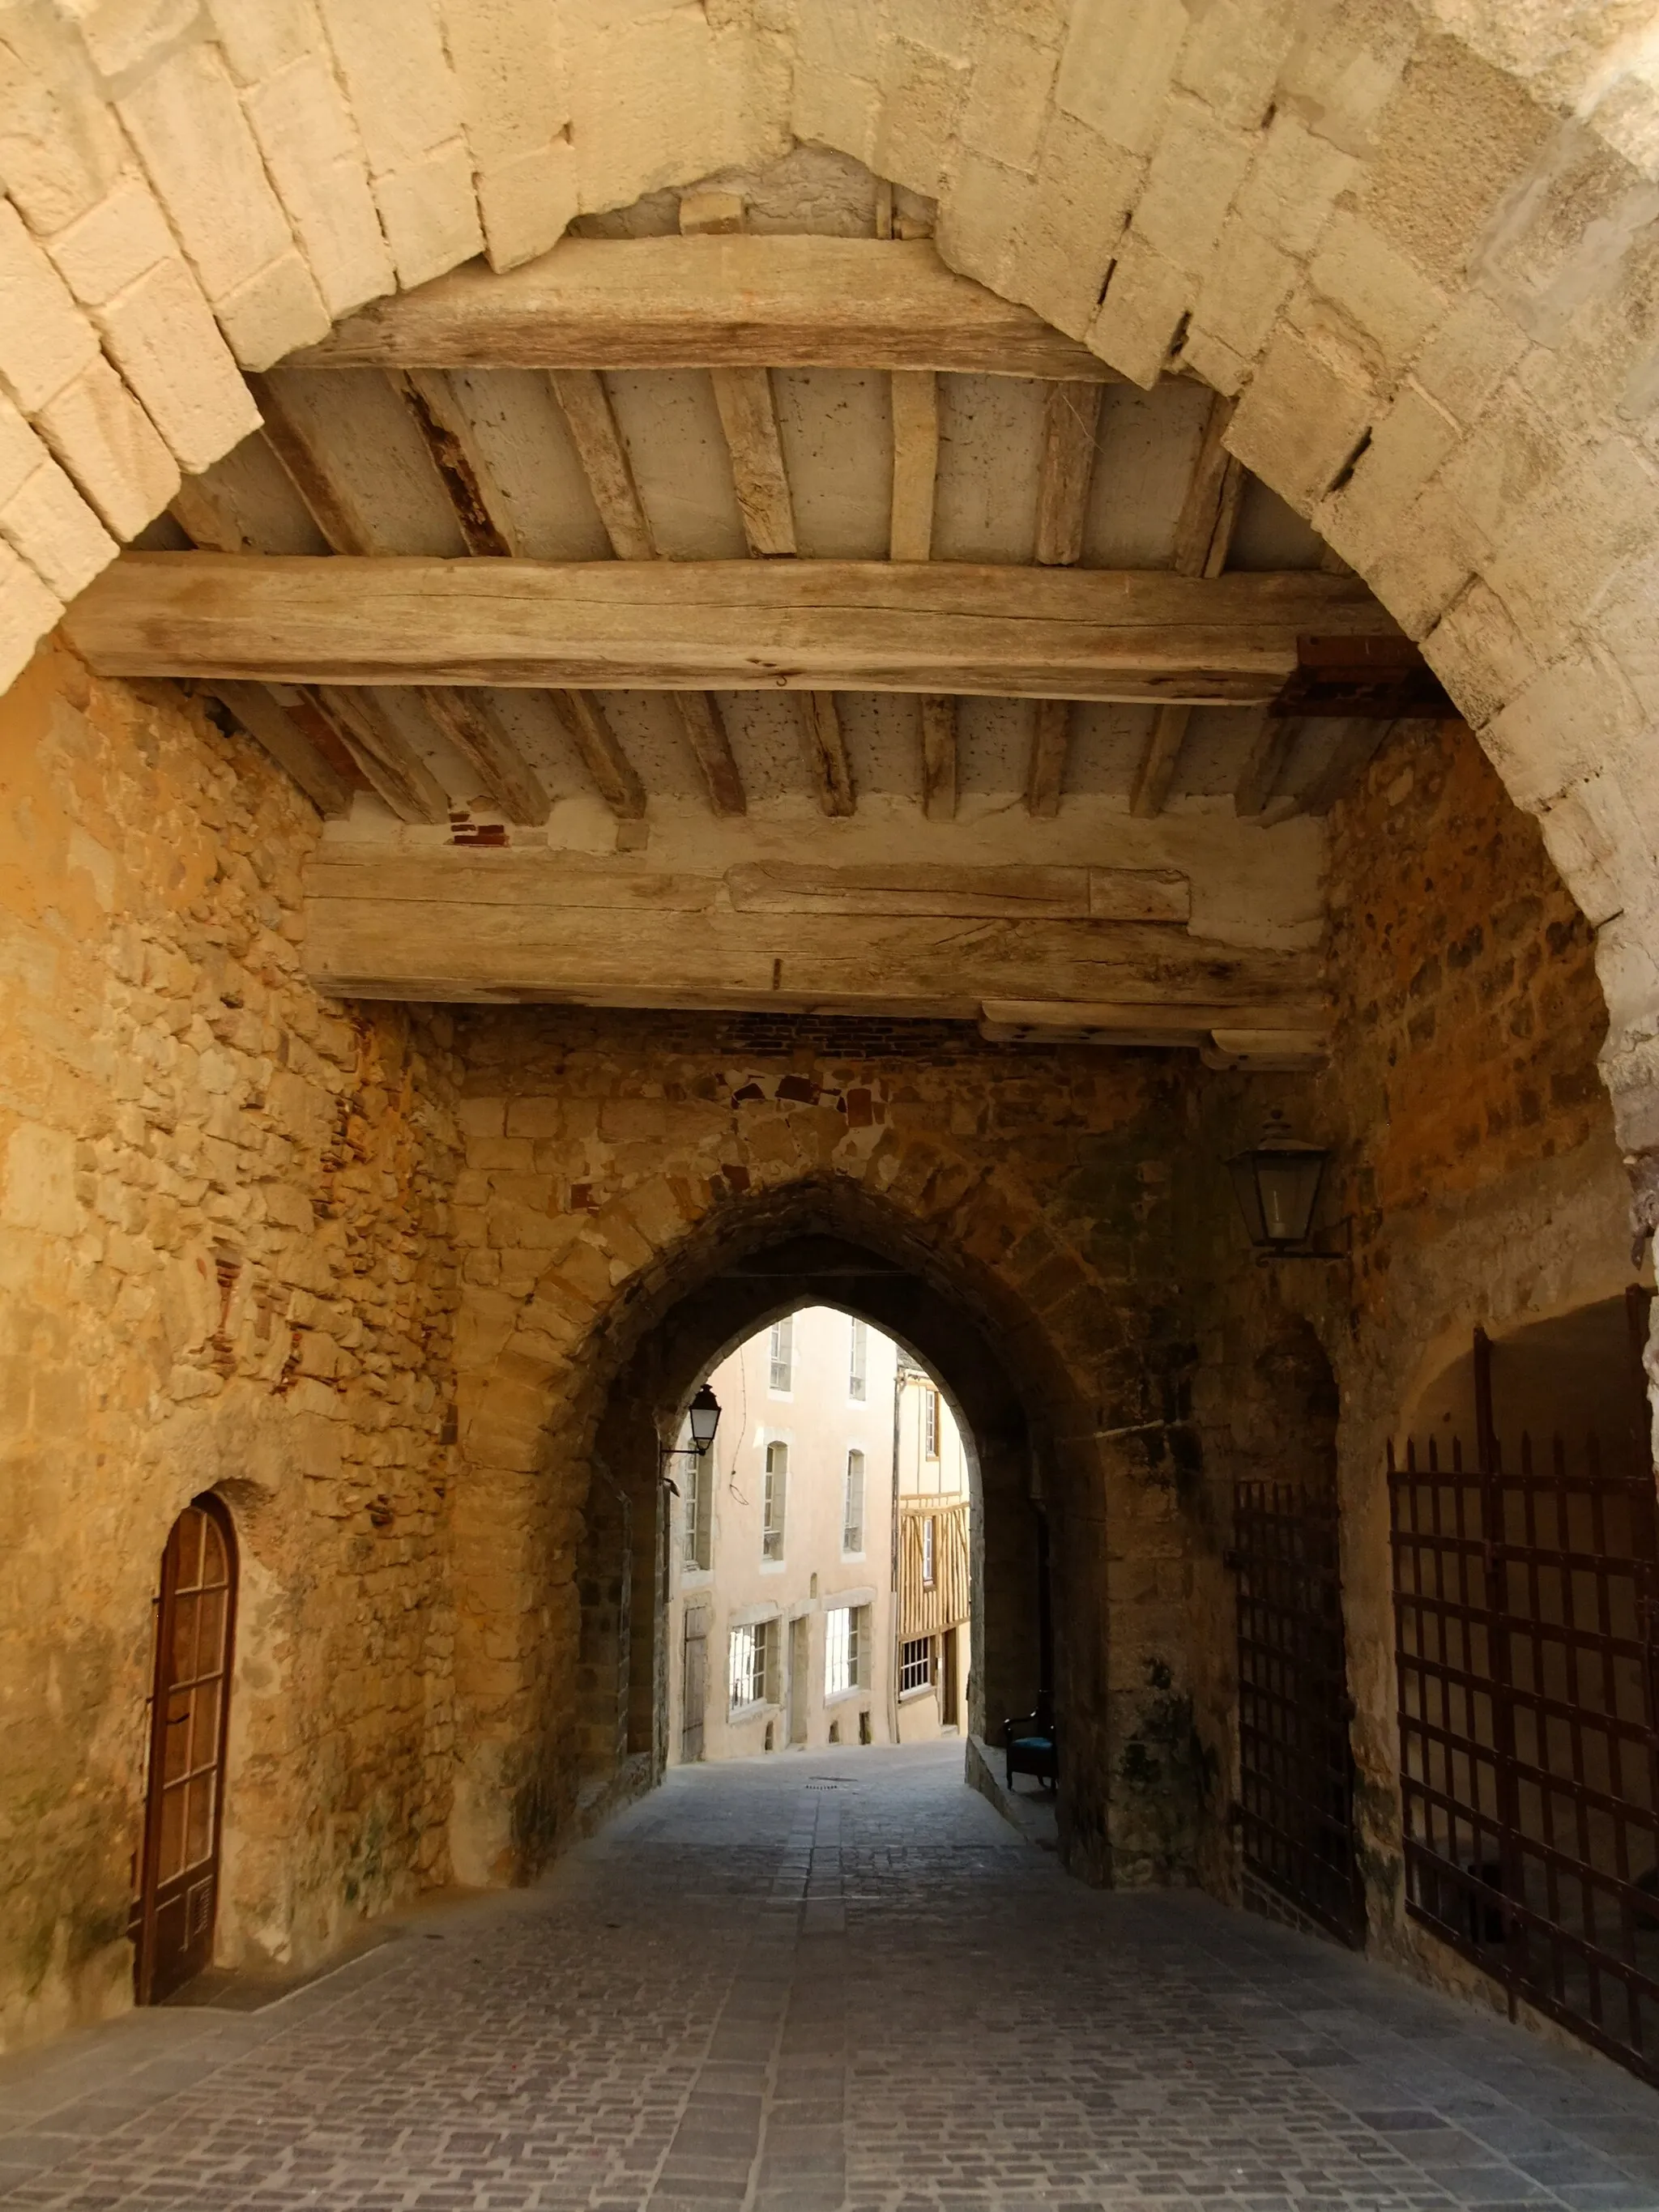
x: 223, y: 1223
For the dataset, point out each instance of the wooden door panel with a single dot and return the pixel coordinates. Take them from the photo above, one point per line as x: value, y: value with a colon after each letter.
x: 173, y: 1916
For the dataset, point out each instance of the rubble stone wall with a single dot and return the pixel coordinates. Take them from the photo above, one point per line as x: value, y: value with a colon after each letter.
x: 223, y: 1266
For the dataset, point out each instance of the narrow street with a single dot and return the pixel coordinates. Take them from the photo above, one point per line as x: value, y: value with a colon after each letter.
x: 832, y: 1981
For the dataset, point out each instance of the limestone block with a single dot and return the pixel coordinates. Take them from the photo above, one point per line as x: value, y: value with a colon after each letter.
x: 111, y: 448
x: 46, y: 521
x: 429, y: 213
x: 1137, y: 322
x: 1453, y: 139
x: 1473, y: 349
x: 981, y: 215
x: 1247, y: 283
x: 1500, y: 467
x: 1561, y: 729
x: 1073, y: 224
x: 316, y: 161
x: 1007, y: 103
x: 162, y: 336
x: 402, y: 91
x: 1563, y: 549
x: 199, y: 153
x: 1478, y: 655
x: 1294, y: 183
x: 44, y: 339
x: 1198, y: 166
x: 258, y: 42
x: 1377, y: 288
x: 923, y: 98
x: 1212, y: 358
x: 1344, y: 69
x: 1302, y: 416
x: 1116, y: 66
x: 277, y: 310
x: 60, y: 146
x: 37, y: 1180
x: 1233, y: 56
x: 834, y: 107
x: 508, y: 69
x: 1600, y: 850
x: 1407, y: 444
x: 27, y: 611
x: 527, y: 204
x: 113, y: 244
x: 1627, y: 624
x: 482, y: 1117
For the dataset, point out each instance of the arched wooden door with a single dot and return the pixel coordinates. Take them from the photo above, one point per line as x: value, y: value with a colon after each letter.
x: 178, y: 1866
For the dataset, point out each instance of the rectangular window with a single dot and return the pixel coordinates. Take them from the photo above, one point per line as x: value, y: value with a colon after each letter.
x: 857, y: 1362
x: 772, y: 1508
x: 851, y: 1518
x: 846, y: 1644
x: 783, y: 1353
x: 916, y: 1664
x: 928, y: 1553
x: 699, y: 1515
x: 751, y: 1663
x: 930, y: 1423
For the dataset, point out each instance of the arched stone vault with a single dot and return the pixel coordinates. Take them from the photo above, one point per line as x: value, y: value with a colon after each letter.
x: 1416, y: 242
x: 959, y: 1263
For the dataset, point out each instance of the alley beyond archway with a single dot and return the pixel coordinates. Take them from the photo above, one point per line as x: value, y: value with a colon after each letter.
x: 801, y: 1985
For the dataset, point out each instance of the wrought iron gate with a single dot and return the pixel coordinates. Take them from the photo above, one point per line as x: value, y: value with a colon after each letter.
x: 1524, y: 1600
x: 1296, y: 1769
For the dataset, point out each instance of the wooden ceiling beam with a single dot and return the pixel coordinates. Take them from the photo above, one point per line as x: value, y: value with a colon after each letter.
x: 826, y: 751
x: 802, y: 625
x: 711, y: 302
x: 1156, y: 773
x: 483, y: 510
x: 938, y: 711
x: 335, y: 515
x: 289, y: 744
x: 451, y: 925
x: 1051, y: 736
x: 1204, y: 532
x: 705, y: 732
x: 915, y: 463
x: 1264, y: 764
x: 614, y: 776
x: 1071, y: 419
x: 381, y: 751
x: 587, y: 412
x: 475, y: 730
x: 749, y: 418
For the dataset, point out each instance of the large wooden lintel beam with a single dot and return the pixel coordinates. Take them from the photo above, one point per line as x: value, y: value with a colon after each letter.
x: 807, y: 625
x: 718, y: 302
x: 449, y: 925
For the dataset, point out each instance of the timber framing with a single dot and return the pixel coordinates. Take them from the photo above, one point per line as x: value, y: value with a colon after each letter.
x: 819, y: 625
x: 711, y: 302
x: 490, y: 927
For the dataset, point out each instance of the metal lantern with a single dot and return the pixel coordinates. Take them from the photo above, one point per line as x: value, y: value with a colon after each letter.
x: 1278, y: 1187
x: 704, y: 1414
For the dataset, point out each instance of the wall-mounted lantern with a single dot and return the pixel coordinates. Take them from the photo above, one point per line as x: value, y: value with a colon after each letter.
x: 703, y: 1415
x: 1277, y: 1182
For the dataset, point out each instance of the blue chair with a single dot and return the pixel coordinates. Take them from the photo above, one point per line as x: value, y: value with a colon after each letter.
x: 1031, y: 1746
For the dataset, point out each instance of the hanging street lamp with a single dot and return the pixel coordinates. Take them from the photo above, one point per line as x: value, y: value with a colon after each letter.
x: 1277, y: 1183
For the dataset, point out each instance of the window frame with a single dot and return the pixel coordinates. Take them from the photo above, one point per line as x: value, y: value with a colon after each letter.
x: 929, y: 1551
x: 930, y: 1424
x: 857, y: 1362
x: 848, y: 1525
x: 914, y: 1688
x: 774, y: 1501
x: 780, y: 1358
x: 758, y: 1672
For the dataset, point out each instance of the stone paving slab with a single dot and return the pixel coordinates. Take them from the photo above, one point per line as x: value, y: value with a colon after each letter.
x: 835, y: 1981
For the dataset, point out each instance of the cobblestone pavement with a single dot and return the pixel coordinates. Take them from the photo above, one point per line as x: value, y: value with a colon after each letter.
x: 829, y: 1980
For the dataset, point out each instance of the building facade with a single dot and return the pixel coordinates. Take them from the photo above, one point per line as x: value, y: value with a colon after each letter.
x: 794, y: 1621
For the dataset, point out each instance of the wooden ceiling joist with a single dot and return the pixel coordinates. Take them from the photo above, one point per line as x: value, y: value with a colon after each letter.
x: 483, y: 509
x: 1264, y: 764
x: 915, y: 463
x: 1071, y: 418
x: 749, y: 419
x: 804, y: 625
x: 711, y: 302
x: 1204, y: 532
x: 475, y: 732
x: 614, y: 775
x: 938, y: 715
x: 290, y: 440
x: 587, y: 409
x: 705, y: 732
x: 290, y: 745
x: 1156, y: 773
x: 383, y: 753
x: 830, y: 769
x: 1051, y: 728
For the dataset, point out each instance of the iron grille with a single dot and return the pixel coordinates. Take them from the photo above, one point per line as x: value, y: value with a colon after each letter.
x: 1295, y: 1768
x: 1524, y: 1618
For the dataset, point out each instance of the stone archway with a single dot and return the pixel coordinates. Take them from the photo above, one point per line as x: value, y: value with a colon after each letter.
x: 902, y: 1257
